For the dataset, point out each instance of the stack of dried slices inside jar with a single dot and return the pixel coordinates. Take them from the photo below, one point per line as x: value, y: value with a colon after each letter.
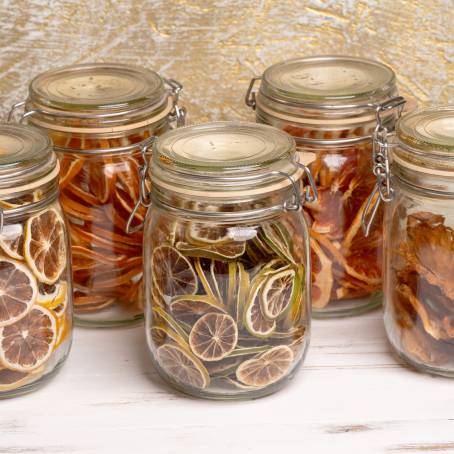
x: 35, y: 288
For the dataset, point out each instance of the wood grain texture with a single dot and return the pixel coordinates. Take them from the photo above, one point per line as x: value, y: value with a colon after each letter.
x: 215, y: 46
x: 351, y: 396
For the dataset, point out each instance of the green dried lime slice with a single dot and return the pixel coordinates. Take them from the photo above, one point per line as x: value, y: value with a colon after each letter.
x: 207, y: 283
x: 267, y: 368
x: 205, y: 233
x: 223, y: 251
x: 253, y: 319
x: 224, y: 367
x: 189, y: 308
x: 161, y: 334
x: 273, y: 235
x: 162, y: 317
x: 248, y: 351
x: 232, y: 287
x: 182, y: 366
x: 219, y: 278
x: 278, y: 292
x: 241, y: 293
x: 295, y: 313
x: 213, y: 336
x: 172, y: 273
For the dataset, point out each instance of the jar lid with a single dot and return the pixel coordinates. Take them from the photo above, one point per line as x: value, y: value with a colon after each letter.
x: 327, y: 80
x: 224, y: 159
x: 97, y: 88
x: 26, y: 158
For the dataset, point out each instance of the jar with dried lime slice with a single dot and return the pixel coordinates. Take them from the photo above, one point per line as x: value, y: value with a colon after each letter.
x: 35, y: 282
x: 226, y: 257
x: 101, y: 118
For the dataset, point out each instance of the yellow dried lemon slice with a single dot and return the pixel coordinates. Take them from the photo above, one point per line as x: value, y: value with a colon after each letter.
x: 12, y: 240
x: 45, y: 245
x: 172, y: 273
x: 213, y: 336
x: 18, y: 291
x: 29, y: 342
x: 278, y: 292
x: 182, y: 366
x: 267, y: 368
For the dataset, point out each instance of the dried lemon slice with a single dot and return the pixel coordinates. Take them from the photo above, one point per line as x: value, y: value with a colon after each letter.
x: 18, y: 291
x: 189, y: 308
x: 12, y: 240
x: 173, y: 274
x: 29, y: 342
x: 278, y: 292
x: 213, y: 336
x: 182, y: 366
x: 45, y: 245
x: 267, y: 368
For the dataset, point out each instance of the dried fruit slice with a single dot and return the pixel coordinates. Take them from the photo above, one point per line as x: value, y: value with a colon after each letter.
x: 213, y: 336
x: 69, y: 168
x: 222, y: 251
x: 45, y: 245
x: 18, y: 291
x: 254, y: 320
x: 189, y: 308
x: 278, y: 293
x: 267, y: 368
x: 12, y: 379
x: 205, y: 233
x: 161, y: 334
x: 53, y: 295
x: 276, y: 238
x: 206, y: 282
x: 63, y: 330
x: 242, y: 291
x: 29, y: 342
x: 172, y: 273
x: 12, y: 240
x: 322, y: 276
x: 182, y: 366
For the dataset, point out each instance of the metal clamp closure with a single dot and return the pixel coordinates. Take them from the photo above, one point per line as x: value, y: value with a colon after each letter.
x: 250, y: 94
x: 144, y: 195
x: 24, y: 115
x: 383, y: 191
x: 179, y: 113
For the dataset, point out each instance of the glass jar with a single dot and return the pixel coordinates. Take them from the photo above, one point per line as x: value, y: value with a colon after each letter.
x: 101, y: 118
x: 330, y: 106
x: 419, y: 241
x: 227, y: 295
x: 35, y: 278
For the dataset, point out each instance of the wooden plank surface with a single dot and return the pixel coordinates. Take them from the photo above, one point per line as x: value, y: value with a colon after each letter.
x: 351, y: 396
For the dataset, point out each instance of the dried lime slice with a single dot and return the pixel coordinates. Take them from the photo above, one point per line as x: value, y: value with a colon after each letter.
x: 163, y: 317
x: 296, y: 310
x: 224, y: 367
x: 161, y: 334
x: 267, y: 368
x: 219, y: 275
x: 189, y: 308
x: 172, y: 273
x: 182, y: 366
x: 205, y: 233
x: 278, y: 293
x: 241, y: 294
x: 253, y: 319
x: 223, y: 251
x: 207, y: 283
x: 213, y: 336
x: 273, y: 235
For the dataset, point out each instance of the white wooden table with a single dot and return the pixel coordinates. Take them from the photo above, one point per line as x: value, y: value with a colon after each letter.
x: 351, y: 396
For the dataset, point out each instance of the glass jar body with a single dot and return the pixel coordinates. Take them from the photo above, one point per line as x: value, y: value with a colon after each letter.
x: 347, y: 266
x: 227, y: 303
x: 98, y: 193
x: 36, y: 320
x: 419, y: 302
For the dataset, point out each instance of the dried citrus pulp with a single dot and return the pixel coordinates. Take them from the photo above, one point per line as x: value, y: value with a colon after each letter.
x: 347, y: 266
x: 35, y: 317
x: 98, y: 194
x: 228, y: 316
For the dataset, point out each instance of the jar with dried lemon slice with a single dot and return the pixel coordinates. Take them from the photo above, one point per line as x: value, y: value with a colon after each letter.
x: 101, y: 118
x: 227, y: 294
x: 330, y: 105
x: 35, y: 281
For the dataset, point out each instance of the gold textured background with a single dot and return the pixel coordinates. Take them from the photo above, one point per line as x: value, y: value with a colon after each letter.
x: 214, y: 47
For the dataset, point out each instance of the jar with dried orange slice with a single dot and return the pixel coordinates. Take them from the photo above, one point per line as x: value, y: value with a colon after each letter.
x: 419, y: 238
x: 35, y: 281
x: 330, y: 104
x: 102, y: 119
x: 227, y: 294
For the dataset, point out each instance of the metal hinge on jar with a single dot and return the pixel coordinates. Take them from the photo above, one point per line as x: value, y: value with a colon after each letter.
x: 179, y: 113
x: 250, y: 97
x: 383, y: 191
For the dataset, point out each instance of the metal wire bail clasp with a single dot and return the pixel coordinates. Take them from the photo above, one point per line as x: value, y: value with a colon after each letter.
x: 250, y: 94
x: 382, y: 192
x: 144, y: 195
x: 179, y: 113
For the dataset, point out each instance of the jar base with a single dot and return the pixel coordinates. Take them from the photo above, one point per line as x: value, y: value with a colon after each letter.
x: 349, y: 308
x: 99, y: 323
x: 34, y: 385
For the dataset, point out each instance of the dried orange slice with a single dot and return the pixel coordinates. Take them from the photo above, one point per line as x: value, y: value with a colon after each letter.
x: 12, y: 240
x: 182, y: 366
x: 63, y: 330
x: 322, y: 276
x: 278, y: 293
x: 189, y: 308
x: 267, y: 368
x: 45, y: 245
x: 213, y: 336
x: 172, y: 272
x: 12, y: 379
x: 18, y: 291
x: 69, y: 168
x: 29, y: 342
x: 52, y: 295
